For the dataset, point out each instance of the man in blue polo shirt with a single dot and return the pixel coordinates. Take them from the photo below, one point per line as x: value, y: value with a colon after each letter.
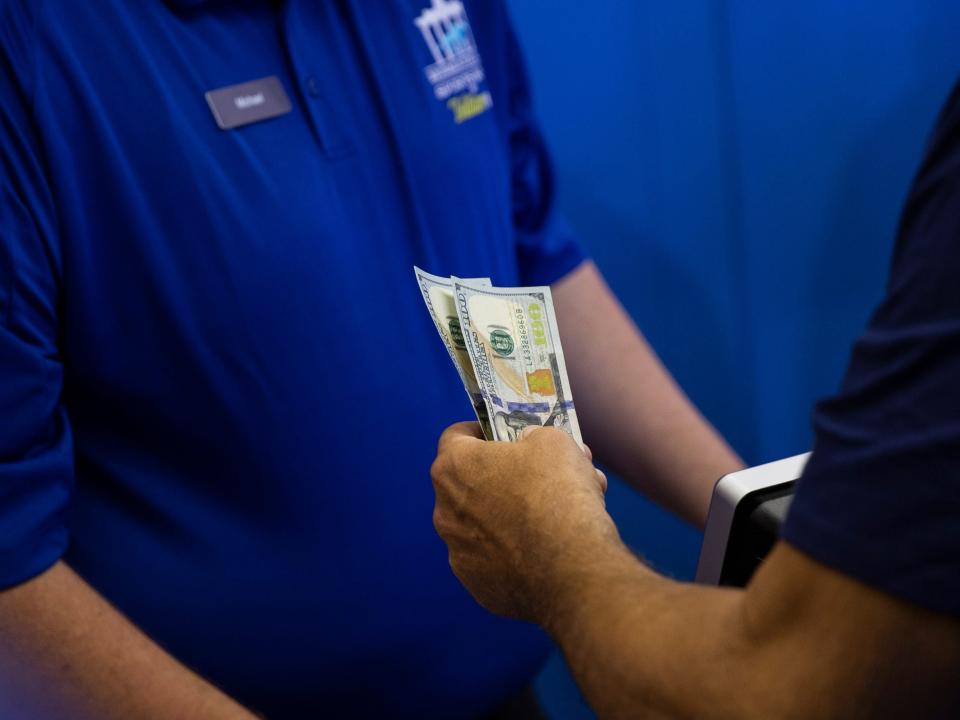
x: 219, y: 392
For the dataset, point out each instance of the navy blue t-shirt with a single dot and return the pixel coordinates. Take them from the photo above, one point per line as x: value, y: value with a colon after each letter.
x: 880, y: 497
x: 220, y: 392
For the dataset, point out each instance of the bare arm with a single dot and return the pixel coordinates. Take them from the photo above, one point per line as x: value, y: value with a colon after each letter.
x: 66, y: 653
x: 634, y: 416
x: 802, y: 641
x: 528, y: 536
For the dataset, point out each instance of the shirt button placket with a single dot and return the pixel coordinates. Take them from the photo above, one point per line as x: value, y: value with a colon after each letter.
x: 332, y: 144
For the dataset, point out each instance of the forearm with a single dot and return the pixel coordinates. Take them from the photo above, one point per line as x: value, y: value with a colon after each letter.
x: 801, y: 641
x: 634, y: 416
x: 640, y: 645
x: 65, y: 652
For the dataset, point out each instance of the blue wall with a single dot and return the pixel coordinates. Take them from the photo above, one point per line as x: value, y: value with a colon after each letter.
x: 737, y: 169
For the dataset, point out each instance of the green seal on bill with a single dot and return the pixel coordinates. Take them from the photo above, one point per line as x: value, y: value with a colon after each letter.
x: 456, y: 333
x: 501, y: 342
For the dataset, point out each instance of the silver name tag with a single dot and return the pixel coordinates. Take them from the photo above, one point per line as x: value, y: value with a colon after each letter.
x: 249, y: 102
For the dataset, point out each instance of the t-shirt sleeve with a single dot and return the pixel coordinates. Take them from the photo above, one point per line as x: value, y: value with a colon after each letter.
x: 547, y: 248
x: 880, y: 498
x: 36, y: 458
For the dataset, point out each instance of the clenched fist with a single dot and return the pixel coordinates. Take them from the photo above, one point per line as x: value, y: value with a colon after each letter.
x: 518, y: 518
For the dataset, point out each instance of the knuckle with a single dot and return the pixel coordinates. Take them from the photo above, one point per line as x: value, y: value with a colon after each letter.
x: 551, y: 440
x: 462, y: 464
x: 438, y: 470
x: 602, y: 481
x: 455, y: 564
x: 447, y: 433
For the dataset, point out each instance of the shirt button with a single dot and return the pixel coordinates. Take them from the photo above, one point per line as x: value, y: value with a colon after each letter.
x: 313, y: 87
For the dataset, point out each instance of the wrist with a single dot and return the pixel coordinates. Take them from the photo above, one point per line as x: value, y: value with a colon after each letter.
x: 578, y: 571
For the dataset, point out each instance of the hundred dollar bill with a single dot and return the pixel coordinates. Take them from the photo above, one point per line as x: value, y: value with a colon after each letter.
x: 512, y: 338
x: 438, y: 295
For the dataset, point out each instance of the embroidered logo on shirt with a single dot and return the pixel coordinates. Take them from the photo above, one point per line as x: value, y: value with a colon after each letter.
x: 457, y: 72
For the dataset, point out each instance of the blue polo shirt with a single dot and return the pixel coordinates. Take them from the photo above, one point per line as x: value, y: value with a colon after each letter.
x: 219, y: 390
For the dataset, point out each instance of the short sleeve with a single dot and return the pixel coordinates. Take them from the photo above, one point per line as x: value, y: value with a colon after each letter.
x: 36, y: 457
x: 880, y: 498
x: 547, y: 248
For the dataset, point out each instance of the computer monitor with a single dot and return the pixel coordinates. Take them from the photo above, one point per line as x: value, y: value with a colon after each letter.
x: 746, y: 512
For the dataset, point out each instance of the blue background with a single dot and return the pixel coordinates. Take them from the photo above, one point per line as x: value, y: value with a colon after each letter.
x: 737, y: 170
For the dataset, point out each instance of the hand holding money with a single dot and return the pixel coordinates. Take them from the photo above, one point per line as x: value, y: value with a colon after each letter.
x: 505, y: 345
